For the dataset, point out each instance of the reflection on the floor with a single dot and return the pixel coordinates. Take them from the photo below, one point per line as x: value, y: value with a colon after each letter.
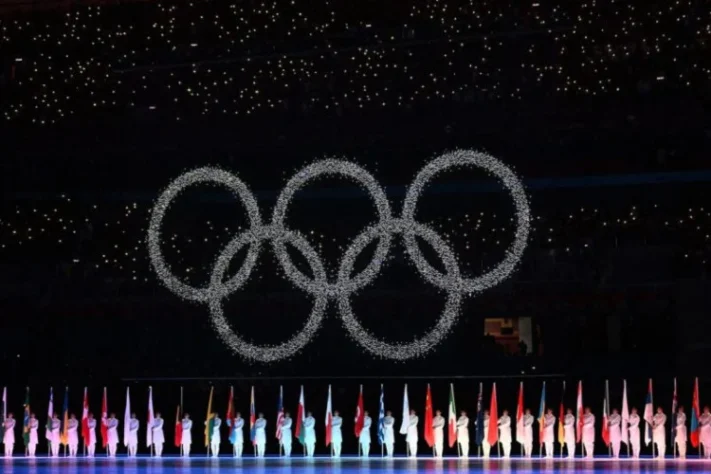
x: 342, y: 466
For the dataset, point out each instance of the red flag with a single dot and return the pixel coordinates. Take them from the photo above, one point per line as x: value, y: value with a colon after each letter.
x: 606, y: 416
x: 493, y: 435
x: 178, y: 428
x: 579, y: 410
x: 695, y: 415
x: 360, y: 414
x: 429, y: 421
x: 230, y: 416
x: 104, y: 426
x: 519, y: 416
x: 300, y: 433
x: 85, y: 418
x: 329, y: 419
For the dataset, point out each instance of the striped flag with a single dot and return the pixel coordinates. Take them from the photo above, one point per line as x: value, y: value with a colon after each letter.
x: 606, y: 415
x: 579, y: 413
x: 561, y: 418
x: 300, y: 432
x: 65, y: 418
x: 252, y: 419
x: 329, y: 418
x: 381, y: 417
x: 50, y: 413
x: 151, y: 417
x: 695, y: 415
x: 520, y: 435
x: 3, y: 412
x: 230, y: 415
x: 673, y: 411
x: 85, y: 433
x: 104, y: 414
x: 280, y: 412
x: 648, y: 414
x: 26, y: 418
x: 209, y: 423
x: 493, y: 435
x: 624, y: 430
x: 452, y: 418
x: 542, y: 414
x: 480, y: 415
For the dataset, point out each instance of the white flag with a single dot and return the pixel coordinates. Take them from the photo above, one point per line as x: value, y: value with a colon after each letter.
x: 127, y: 419
x: 151, y: 417
x: 624, y: 434
x: 405, y: 413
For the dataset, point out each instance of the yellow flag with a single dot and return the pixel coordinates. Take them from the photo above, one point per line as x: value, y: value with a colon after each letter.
x: 208, y: 419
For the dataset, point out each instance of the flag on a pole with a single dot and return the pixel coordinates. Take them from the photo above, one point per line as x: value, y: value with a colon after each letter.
x: 624, y: 430
x: 493, y: 435
x: 606, y: 415
x: 151, y: 417
x: 520, y: 436
x: 451, y: 419
x: 561, y: 418
x: 542, y: 414
x: 252, y: 419
x: 50, y: 412
x: 480, y: 415
x: 280, y: 412
x: 178, y: 438
x: 3, y: 412
x: 230, y: 415
x: 300, y: 432
x: 695, y: 416
x: 579, y: 413
x: 65, y: 418
x: 26, y: 418
x: 104, y: 426
x: 405, y: 413
x: 381, y: 417
x: 85, y: 433
x: 429, y: 421
x: 329, y: 418
x: 673, y: 412
x: 209, y: 422
x: 127, y: 418
x: 360, y: 414
x: 648, y: 415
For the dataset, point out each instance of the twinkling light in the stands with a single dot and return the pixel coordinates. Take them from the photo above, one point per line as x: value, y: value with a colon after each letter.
x: 323, y: 287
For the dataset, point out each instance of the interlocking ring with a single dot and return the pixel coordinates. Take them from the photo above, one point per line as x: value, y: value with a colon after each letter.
x: 321, y: 287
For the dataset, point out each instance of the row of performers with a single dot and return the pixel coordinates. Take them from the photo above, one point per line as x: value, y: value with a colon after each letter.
x: 568, y: 437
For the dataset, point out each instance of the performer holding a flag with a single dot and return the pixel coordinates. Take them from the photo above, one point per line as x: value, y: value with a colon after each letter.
x: 680, y: 428
x: 505, y: 437
x: 613, y: 424
x: 310, y: 434
x: 336, y: 434
x: 236, y: 435
x: 8, y: 426
x: 528, y: 433
x: 32, y: 439
x: 364, y: 437
x: 286, y: 439
x: 705, y: 431
x: 55, y: 425
x: 73, y: 435
x: 589, y: 433
x: 658, y: 432
x: 186, y: 435
x: 634, y: 434
x: 412, y: 436
x: 389, y: 433
x: 90, y: 441
x: 549, y: 432
x: 463, y: 434
x: 260, y: 434
x: 569, y: 433
x: 438, y: 428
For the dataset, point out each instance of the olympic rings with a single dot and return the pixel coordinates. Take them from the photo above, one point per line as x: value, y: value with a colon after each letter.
x: 340, y: 290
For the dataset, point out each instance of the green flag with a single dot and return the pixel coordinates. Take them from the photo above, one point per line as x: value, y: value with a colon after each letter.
x: 26, y: 420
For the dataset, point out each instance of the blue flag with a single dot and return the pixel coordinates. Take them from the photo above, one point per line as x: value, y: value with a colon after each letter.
x: 381, y: 417
x: 648, y: 415
x: 480, y: 416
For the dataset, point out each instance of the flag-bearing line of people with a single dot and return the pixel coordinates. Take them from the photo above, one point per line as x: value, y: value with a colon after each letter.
x: 573, y: 427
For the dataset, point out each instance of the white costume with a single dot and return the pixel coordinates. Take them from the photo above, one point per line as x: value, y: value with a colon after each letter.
x: 634, y: 435
x: 364, y: 438
x: 569, y: 434
x: 260, y: 435
x: 589, y: 434
x: 438, y: 428
x: 615, y: 435
x: 215, y: 437
x: 187, y: 437
x: 486, y: 447
x: 412, y: 437
x: 463, y: 435
x: 548, y: 436
x: 680, y: 438
x: 336, y: 436
x: 528, y: 435
x: 505, y: 434
x: 132, y: 441
x: 659, y: 434
x: 9, y: 437
x: 34, y: 439
x: 53, y: 437
x: 91, y: 446
x: 73, y: 437
x: 286, y: 436
x: 158, y: 436
x: 237, y: 436
x: 112, y: 426
x: 705, y: 433
x: 389, y: 434
x: 310, y: 435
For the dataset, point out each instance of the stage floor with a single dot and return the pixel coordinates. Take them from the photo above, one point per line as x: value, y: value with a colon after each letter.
x: 175, y: 465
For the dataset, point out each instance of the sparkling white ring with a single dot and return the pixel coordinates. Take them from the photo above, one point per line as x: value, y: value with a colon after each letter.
x: 321, y: 287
